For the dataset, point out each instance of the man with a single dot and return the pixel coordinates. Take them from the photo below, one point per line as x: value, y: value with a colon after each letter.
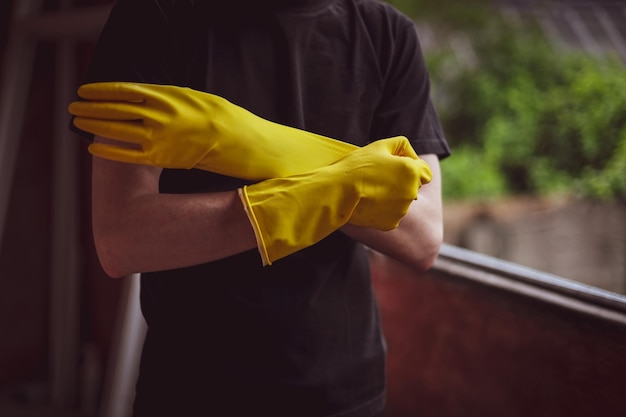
x: 300, y: 336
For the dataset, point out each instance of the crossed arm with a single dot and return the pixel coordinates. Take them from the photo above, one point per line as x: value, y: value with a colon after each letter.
x: 136, y: 229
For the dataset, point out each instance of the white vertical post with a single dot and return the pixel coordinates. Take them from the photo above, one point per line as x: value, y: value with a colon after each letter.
x: 123, y: 368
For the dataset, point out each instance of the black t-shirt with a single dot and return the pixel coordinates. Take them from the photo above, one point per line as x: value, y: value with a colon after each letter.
x: 301, y: 337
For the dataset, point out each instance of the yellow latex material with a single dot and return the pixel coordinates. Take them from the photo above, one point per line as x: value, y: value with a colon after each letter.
x: 372, y: 186
x: 177, y: 127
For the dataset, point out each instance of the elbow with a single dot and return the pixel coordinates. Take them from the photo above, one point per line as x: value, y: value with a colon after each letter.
x: 109, y: 263
x: 111, y: 256
x: 429, y: 251
x: 426, y: 262
x: 111, y: 269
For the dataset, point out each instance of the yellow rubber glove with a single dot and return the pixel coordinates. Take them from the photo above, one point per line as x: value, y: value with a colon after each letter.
x: 177, y: 127
x: 372, y: 186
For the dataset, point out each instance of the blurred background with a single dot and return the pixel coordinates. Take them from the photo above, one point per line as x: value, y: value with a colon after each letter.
x: 532, y: 96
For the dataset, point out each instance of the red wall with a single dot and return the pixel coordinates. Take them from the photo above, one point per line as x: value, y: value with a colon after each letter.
x: 457, y: 348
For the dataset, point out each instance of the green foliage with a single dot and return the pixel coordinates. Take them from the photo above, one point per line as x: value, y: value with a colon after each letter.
x: 467, y: 176
x: 528, y: 119
x: 525, y: 118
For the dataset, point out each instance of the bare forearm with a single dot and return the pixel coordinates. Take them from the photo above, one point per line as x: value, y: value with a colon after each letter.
x: 160, y: 231
x: 137, y: 229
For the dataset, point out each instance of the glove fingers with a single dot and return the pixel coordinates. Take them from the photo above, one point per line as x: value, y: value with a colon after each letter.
x: 397, y: 146
x: 426, y: 175
x: 131, y: 92
x: 106, y: 110
x: 416, y: 173
x: 127, y: 131
x: 400, y: 146
x: 117, y: 153
x: 159, y: 96
x: 112, y: 91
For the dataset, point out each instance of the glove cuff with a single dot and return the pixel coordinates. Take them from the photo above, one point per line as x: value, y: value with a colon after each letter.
x: 260, y: 242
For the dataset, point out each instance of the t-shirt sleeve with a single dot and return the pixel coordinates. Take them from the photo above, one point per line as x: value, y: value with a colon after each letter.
x: 406, y: 108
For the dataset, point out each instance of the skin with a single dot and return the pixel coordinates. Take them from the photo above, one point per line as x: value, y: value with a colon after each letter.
x: 136, y: 229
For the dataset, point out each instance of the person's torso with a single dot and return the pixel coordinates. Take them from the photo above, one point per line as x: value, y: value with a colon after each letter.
x: 306, y: 328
